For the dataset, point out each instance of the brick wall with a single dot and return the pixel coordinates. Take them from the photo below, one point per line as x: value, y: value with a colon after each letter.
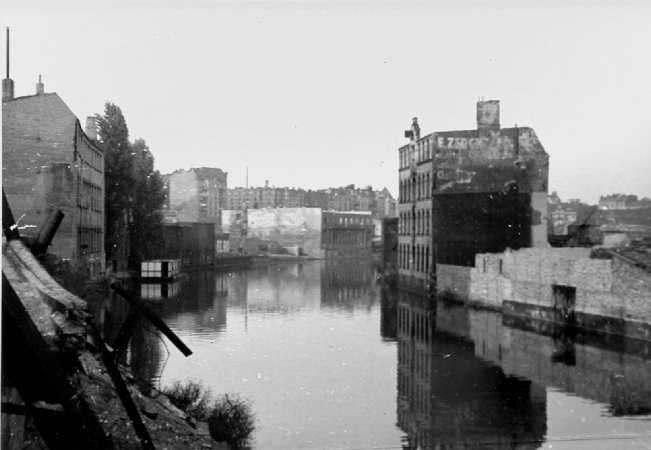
x: 49, y: 164
x: 633, y: 285
x: 604, y: 287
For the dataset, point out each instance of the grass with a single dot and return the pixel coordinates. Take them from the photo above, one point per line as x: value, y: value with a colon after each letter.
x: 231, y: 421
x: 230, y: 418
x: 191, y: 397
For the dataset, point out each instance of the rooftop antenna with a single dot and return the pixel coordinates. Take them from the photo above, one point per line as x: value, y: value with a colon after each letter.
x: 7, y: 52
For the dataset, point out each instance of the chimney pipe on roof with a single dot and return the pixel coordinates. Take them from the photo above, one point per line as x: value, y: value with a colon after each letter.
x: 40, y: 87
x: 488, y: 115
x: 91, y: 128
x: 7, y: 83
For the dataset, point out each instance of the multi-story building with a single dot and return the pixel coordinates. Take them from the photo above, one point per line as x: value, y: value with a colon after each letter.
x: 466, y: 192
x: 197, y: 195
x: 623, y: 201
x: 380, y: 203
x: 416, y: 180
x: 346, y: 233
x: 50, y: 163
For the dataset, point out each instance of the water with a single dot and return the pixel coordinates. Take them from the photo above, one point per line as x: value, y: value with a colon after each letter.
x: 331, y: 360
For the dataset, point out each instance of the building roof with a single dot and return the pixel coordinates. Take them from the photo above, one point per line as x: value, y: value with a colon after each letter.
x: 24, y: 102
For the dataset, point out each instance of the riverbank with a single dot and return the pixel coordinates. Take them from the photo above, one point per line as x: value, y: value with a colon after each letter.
x: 65, y: 384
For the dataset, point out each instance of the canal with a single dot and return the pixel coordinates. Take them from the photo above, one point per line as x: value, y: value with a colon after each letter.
x: 331, y: 360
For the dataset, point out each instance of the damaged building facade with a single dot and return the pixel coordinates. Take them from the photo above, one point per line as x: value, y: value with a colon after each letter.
x: 467, y: 192
x: 50, y: 163
x: 196, y: 195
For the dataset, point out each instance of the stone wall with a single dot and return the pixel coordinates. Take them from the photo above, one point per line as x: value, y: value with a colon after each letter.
x: 604, y: 287
x: 633, y: 285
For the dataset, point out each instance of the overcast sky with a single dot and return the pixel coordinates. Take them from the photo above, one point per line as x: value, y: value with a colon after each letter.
x: 317, y: 94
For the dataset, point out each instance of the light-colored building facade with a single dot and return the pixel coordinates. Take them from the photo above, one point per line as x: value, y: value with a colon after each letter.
x: 197, y: 194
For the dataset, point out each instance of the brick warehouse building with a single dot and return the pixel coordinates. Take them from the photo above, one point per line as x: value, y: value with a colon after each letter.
x: 50, y: 163
x: 467, y: 192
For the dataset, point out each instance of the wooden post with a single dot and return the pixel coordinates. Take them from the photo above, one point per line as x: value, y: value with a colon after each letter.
x: 47, y: 232
x: 153, y: 318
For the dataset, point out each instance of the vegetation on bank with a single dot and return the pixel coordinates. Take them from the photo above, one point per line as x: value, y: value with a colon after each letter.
x: 230, y: 417
x: 73, y: 279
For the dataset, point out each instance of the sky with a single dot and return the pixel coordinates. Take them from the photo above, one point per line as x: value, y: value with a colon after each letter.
x: 318, y: 93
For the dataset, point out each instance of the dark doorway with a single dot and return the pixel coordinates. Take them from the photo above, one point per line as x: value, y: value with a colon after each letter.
x: 564, y: 303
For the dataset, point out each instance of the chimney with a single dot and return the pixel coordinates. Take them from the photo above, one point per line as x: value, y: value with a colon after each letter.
x: 414, y: 133
x: 488, y: 115
x: 7, y: 83
x: 40, y: 87
x: 91, y: 128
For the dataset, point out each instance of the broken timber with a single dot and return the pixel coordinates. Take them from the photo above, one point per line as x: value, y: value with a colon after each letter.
x: 46, y: 356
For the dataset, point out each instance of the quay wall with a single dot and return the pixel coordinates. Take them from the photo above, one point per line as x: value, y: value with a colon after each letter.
x: 610, y: 295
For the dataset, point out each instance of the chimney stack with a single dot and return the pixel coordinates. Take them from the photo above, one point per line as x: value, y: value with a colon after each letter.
x: 488, y: 115
x: 40, y: 87
x: 91, y: 128
x: 413, y: 134
x: 7, y: 83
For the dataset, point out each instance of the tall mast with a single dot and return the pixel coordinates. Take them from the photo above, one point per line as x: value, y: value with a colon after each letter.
x: 7, y: 53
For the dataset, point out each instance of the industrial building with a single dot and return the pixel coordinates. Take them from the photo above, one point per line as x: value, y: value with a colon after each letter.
x: 51, y: 163
x: 467, y: 192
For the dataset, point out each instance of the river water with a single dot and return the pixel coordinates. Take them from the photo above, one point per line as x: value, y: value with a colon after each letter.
x: 331, y: 360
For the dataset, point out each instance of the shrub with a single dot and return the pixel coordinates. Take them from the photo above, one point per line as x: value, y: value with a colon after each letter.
x: 191, y: 397
x: 231, y: 421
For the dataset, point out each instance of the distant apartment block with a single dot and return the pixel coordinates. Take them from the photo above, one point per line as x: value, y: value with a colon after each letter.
x: 380, y: 204
x: 623, y: 201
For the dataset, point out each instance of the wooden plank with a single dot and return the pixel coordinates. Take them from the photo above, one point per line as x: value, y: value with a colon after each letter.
x: 9, y: 227
x: 153, y: 318
x: 33, y: 368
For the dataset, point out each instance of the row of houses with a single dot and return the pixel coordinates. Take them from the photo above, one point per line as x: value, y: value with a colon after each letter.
x: 200, y: 194
x: 348, y: 198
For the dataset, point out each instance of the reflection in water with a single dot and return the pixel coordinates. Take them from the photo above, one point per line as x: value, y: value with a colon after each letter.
x: 468, y: 377
x: 347, y: 283
x: 318, y: 348
x: 449, y: 397
x: 389, y: 313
